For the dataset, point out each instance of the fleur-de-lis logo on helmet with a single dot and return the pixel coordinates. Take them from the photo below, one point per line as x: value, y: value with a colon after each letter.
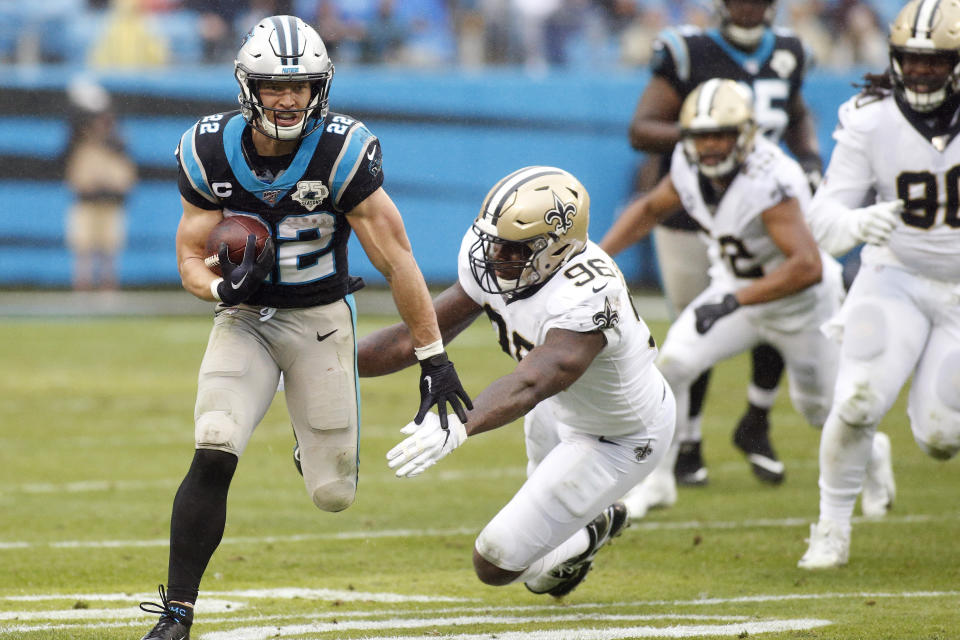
x: 561, y: 216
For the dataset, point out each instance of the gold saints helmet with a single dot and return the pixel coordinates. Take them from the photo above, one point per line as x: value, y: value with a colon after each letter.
x: 718, y: 106
x: 926, y: 27
x: 531, y: 223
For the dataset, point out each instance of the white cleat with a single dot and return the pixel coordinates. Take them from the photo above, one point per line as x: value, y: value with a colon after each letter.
x: 829, y: 546
x: 879, y: 487
x: 656, y: 491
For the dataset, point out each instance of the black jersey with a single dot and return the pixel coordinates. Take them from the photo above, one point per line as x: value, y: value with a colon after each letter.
x: 333, y: 169
x: 687, y: 56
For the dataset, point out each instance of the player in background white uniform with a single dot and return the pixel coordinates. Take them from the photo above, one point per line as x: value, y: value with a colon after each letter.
x: 598, y: 416
x: 771, y: 284
x: 897, y: 139
x: 744, y: 46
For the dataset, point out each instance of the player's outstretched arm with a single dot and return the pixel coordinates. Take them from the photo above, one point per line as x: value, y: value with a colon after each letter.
x: 390, y: 349
x: 546, y: 370
x: 641, y: 216
x: 801, y: 267
x: 379, y: 228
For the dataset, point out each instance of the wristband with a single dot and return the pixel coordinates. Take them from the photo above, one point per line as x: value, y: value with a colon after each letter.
x: 430, y: 350
x: 213, y: 289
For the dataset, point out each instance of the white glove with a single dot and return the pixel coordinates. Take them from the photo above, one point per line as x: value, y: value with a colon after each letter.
x: 875, y: 223
x: 425, y: 445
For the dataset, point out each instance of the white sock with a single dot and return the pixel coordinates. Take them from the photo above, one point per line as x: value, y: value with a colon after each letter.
x: 569, y: 548
x: 693, y: 431
x: 762, y: 398
x: 844, y: 453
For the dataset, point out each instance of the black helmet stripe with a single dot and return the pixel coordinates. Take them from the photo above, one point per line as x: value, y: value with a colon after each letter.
x: 508, y: 185
x: 708, y: 94
x: 287, y: 40
x: 923, y: 24
x: 294, y: 40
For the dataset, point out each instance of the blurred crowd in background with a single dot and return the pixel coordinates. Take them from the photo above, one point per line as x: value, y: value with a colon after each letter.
x: 538, y: 34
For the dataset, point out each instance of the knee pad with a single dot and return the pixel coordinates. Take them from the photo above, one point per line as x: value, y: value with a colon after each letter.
x: 814, y: 410
x: 676, y: 369
x: 864, y: 332
x: 938, y: 451
x: 861, y: 406
x: 216, y: 430
x: 330, y: 474
x: 948, y: 381
x: 335, y: 496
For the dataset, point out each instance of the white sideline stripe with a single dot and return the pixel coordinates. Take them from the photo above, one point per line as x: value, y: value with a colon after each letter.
x: 213, y: 606
x: 340, y: 615
x: 284, y: 593
x: 352, y: 614
x: 265, y: 633
x: 741, y: 630
x: 427, y: 533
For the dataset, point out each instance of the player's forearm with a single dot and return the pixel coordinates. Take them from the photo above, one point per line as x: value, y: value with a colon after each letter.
x: 634, y: 224
x: 795, y: 274
x: 503, y: 401
x: 385, y: 351
x: 654, y: 136
x: 196, y: 278
x: 412, y: 298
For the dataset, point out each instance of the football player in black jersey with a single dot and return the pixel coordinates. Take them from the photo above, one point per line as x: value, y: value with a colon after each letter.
x: 773, y: 62
x: 311, y: 177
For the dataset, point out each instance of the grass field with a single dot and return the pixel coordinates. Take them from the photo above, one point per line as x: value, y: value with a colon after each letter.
x: 96, y: 433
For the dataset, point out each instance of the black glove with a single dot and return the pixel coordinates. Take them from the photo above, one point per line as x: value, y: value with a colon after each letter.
x: 241, y: 281
x: 439, y: 385
x: 707, y: 314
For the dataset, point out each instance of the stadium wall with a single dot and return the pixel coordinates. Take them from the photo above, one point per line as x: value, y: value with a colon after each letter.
x: 446, y: 137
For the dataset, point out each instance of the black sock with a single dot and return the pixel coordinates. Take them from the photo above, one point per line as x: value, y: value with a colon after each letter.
x: 767, y: 367
x: 698, y: 393
x: 199, y: 517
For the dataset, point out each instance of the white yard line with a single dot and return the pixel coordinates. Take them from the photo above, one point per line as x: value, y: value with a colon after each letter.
x: 300, y: 630
x: 587, y: 614
x: 647, y: 525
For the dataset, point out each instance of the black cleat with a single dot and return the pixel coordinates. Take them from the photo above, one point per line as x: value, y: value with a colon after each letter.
x: 690, y: 470
x: 566, y: 576
x: 752, y: 438
x: 175, y: 619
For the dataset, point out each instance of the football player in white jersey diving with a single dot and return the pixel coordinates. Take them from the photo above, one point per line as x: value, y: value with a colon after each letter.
x: 898, y: 140
x: 312, y: 177
x: 598, y: 415
x: 771, y: 282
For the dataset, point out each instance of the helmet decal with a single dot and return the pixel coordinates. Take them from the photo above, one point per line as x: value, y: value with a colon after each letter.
x: 530, y: 224
x: 561, y: 216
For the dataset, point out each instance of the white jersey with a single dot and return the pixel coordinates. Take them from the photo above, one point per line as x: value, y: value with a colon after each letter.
x: 621, y: 392
x: 741, y: 248
x: 880, y: 151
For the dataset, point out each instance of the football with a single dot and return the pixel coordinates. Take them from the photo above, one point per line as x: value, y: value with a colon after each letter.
x: 234, y: 231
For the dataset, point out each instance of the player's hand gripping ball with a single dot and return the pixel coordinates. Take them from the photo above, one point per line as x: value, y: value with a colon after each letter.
x: 233, y: 231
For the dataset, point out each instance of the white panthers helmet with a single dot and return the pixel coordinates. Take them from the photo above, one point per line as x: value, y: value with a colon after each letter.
x: 718, y: 105
x: 746, y: 37
x: 283, y: 49
x: 542, y: 213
